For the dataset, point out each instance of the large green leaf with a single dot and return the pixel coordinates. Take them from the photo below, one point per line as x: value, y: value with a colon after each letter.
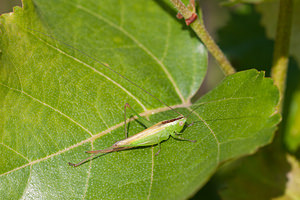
x: 56, y: 103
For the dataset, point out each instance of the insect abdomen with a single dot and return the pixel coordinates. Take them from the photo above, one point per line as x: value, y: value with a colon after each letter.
x: 150, y: 136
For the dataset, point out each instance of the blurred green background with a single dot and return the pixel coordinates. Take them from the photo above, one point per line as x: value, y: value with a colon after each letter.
x: 7, y: 5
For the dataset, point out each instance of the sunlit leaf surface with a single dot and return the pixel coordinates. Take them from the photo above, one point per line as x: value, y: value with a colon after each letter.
x: 55, y: 102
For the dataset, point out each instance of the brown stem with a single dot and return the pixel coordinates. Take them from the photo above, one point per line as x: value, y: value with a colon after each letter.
x: 198, y: 26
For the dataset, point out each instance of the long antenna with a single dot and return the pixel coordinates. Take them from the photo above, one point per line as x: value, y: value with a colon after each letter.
x: 105, y: 65
x: 193, y: 110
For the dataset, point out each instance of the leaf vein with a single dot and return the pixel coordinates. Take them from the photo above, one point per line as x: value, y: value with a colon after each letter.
x: 47, y: 105
x: 152, y: 173
x: 167, y: 41
x: 28, y: 181
x: 214, y: 135
x: 96, y: 71
x: 89, y: 175
x: 8, y: 147
x: 140, y: 45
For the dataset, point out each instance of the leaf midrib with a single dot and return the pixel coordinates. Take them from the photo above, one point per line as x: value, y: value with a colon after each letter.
x: 93, y: 137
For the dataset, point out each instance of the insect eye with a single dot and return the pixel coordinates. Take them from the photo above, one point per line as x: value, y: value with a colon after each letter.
x: 181, y: 123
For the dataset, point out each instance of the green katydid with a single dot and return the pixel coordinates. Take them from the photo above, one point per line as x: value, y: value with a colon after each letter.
x: 154, y: 134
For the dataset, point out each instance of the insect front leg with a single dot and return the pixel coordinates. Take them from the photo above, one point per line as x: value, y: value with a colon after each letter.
x: 125, y: 128
x: 191, y: 124
x: 144, y: 121
x: 176, y: 136
x: 159, y: 146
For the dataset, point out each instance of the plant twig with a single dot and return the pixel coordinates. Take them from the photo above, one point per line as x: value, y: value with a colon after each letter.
x: 198, y: 26
x: 281, y: 49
